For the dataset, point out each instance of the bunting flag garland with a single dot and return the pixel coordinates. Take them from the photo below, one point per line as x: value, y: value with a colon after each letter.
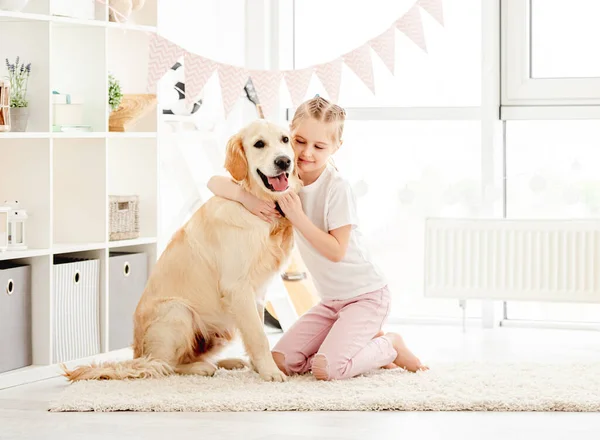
x: 297, y: 82
x: 232, y: 79
x: 164, y: 53
x: 359, y: 60
x: 433, y: 8
x: 385, y: 46
x: 266, y: 83
x: 197, y: 72
x: 411, y: 25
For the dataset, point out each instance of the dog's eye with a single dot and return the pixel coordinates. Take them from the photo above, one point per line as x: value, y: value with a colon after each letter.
x: 285, y: 139
x: 259, y: 144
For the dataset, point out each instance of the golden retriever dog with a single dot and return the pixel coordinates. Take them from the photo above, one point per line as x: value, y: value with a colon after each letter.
x: 211, y: 280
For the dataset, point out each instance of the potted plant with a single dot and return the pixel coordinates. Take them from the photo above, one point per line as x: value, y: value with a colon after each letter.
x: 18, y: 75
x: 115, y: 95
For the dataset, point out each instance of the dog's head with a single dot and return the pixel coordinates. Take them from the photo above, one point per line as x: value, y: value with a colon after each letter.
x: 261, y: 155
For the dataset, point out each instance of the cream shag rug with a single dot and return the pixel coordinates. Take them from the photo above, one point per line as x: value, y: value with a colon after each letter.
x: 446, y: 387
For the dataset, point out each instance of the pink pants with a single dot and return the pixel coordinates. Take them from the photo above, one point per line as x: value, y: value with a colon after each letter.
x: 334, y: 339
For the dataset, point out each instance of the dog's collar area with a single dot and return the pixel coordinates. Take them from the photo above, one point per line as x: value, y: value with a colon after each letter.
x: 279, y: 210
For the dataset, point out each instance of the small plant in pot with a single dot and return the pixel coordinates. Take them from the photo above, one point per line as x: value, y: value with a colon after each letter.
x: 115, y: 94
x: 18, y: 75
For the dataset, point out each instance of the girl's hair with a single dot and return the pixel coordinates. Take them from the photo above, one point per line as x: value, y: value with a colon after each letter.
x: 321, y: 110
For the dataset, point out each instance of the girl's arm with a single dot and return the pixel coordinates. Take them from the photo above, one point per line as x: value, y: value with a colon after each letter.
x: 332, y: 245
x: 224, y: 187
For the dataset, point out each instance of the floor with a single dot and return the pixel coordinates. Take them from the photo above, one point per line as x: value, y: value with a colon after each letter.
x: 23, y: 412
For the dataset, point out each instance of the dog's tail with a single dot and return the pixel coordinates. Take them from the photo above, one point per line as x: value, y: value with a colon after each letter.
x: 139, y: 368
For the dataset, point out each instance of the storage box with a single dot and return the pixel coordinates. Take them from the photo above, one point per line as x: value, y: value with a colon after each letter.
x: 15, y: 316
x: 124, y: 217
x: 76, y: 311
x: 67, y: 110
x: 128, y: 273
x: 83, y: 9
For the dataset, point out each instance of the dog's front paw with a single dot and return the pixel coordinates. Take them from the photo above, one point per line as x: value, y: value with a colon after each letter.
x: 272, y: 375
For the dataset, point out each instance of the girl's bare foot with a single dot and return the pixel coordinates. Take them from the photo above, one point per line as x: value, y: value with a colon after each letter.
x: 405, y: 359
x: 391, y: 365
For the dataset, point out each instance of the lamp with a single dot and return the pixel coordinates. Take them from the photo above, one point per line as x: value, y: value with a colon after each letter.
x: 17, y: 217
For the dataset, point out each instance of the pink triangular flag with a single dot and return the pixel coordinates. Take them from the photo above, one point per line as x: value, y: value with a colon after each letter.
x: 411, y: 25
x: 359, y: 60
x: 232, y: 81
x: 266, y: 83
x: 162, y: 54
x: 297, y: 82
x: 197, y: 72
x: 330, y: 75
x: 385, y: 46
x: 434, y: 8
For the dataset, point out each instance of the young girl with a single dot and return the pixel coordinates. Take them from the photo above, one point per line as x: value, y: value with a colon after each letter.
x: 341, y: 336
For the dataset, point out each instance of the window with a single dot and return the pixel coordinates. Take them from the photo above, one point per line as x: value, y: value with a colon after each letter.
x: 548, y: 48
x: 414, y: 149
x: 551, y: 172
x: 563, y: 36
x: 402, y: 172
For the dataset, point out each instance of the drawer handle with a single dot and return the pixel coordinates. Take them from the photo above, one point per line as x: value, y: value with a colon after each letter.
x: 10, y: 287
x: 126, y: 269
x: 77, y: 277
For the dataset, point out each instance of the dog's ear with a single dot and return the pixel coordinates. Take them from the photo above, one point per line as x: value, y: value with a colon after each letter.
x: 235, y: 160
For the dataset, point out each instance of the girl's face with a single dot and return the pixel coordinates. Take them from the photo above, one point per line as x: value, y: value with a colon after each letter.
x: 313, y: 142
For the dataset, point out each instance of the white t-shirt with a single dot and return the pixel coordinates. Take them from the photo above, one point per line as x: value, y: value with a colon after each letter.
x: 329, y: 203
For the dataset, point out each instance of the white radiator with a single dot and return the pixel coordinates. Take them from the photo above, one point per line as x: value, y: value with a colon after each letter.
x: 539, y: 260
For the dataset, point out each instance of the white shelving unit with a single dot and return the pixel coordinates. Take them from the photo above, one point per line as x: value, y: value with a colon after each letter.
x: 64, y: 179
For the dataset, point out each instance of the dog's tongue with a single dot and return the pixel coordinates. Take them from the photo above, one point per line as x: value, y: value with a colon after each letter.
x: 279, y: 183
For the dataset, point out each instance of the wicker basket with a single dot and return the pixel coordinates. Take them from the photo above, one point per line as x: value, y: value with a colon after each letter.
x: 124, y: 217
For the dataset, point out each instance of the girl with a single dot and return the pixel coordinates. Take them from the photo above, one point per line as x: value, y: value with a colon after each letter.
x: 341, y: 336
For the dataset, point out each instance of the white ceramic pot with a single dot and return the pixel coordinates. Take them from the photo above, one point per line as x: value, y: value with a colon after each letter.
x: 13, y: 5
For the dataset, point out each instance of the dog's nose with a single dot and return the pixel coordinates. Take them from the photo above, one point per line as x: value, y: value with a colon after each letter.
x: 283, y: 163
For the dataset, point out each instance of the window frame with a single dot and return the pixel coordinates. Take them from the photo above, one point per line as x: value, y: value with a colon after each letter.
x: 505, y: 96
x: 519, y: 88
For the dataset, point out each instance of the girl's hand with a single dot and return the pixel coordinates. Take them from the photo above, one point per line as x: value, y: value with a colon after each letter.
x: 291, y: 206
x: 260, y: 208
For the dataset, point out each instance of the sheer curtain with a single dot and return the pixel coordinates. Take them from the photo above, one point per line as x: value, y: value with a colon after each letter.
x: 193, y: 149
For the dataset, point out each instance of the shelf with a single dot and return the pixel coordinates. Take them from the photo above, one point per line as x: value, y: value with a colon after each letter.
x: 78, y: 135
x: 131, y: 27
x: 127, y: 59
x: 132, y: 135
x: 27, y: 253
x: 79, y: 191
x: 13, y: 16
x: 25, y: 176
x: 132, y: 242
x: 35, y: 373
x: 64, y: 179
x: 66, y: 248
x: 25, y: 135
x: 133, y: 170
x: 82, y: 74
x: 38, y: 55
